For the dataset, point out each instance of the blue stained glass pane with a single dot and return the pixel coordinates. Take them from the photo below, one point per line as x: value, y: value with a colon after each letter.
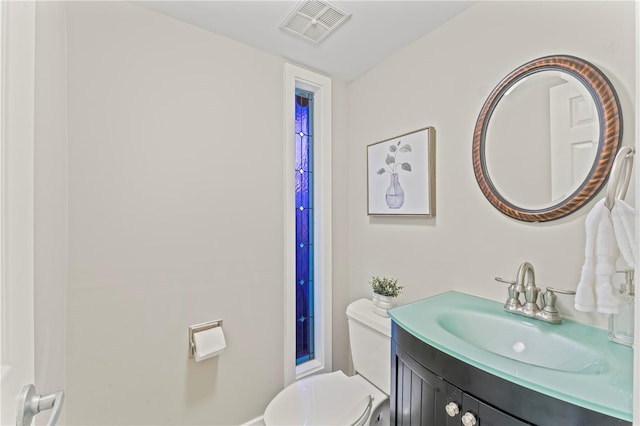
x: 298, y: 165
x: 304, y: 221
x: 302, y: 294
x: 303, y: 153
x: 303, y: 132
x: 302, y: 273
x: 304, y: 185
x: 308, y: 200
x: 302, y: 113
x: 304, y: 227
x: 309, y: 158
x: 305, y: 162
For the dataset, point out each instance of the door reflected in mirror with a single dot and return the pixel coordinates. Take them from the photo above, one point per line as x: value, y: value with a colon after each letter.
x: 542, y: 139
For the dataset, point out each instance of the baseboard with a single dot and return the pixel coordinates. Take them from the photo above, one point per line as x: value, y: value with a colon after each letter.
x: 258, y: 421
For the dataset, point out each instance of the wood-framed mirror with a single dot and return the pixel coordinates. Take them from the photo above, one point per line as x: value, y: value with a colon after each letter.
x: 546, y: 137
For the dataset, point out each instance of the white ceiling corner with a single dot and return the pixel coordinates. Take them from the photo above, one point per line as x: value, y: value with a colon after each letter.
x: 375, y: 30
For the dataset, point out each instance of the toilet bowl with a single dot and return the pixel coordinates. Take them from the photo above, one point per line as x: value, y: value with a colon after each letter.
x: 334, y: 398
x: 326, y: 399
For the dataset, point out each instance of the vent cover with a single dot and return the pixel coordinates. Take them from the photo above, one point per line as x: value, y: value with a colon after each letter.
x: 313, y: 20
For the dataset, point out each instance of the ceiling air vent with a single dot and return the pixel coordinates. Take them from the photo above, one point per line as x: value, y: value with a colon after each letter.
x: 313, y: 20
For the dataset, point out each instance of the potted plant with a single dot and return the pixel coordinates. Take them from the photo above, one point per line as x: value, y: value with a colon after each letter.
x: 384, y: 291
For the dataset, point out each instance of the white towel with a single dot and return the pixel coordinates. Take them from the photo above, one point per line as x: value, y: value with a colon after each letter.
x: 624, y: 227
x: 606, y: 254
x: 594, y: 290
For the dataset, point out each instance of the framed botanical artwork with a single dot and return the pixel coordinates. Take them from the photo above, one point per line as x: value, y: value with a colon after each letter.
x: 401, y: 175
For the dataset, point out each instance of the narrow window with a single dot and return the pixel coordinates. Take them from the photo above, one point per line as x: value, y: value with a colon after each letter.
x: 307, y: 223
x: 304, y: 227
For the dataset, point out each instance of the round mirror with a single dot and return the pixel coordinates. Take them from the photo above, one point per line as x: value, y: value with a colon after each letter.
x: 546, y: 137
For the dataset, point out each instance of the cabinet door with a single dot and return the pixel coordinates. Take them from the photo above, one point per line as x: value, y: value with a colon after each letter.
x: 444, y: 372
x: 486, y: 415
x: 419, y: 397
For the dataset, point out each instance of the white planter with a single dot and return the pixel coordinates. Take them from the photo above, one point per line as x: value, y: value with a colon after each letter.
x: 381, y: 304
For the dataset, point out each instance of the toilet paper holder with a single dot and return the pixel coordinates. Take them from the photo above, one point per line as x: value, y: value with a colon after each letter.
x: 196, y: 329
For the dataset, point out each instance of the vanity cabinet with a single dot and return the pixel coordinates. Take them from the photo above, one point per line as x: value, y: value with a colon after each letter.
x: 431, y: 388
x: 423, y: 398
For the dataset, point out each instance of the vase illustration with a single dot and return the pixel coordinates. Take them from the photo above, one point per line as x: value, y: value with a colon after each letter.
x: 395, y: 193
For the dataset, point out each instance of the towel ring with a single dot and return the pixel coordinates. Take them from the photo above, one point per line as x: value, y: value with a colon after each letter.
x: 622, y: 167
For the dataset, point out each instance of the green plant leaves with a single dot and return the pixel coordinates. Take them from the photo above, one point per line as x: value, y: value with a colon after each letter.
x: 385, y: 286
x: 390, y: 159
x: 393, y: 148
x: 406, y: 166
x: 405, y: 148
x: 381, y: 171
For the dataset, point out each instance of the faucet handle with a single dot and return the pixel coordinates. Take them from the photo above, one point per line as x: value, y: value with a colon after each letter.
x: 549, y: 298
x: 556, y: 290
x: 549, y: 311
x: 513, y: 303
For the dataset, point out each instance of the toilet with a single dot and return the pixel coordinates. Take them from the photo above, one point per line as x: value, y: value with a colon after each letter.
x: 336, y: 399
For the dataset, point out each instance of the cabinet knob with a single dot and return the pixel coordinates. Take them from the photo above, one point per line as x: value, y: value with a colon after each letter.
x: 452, y: 409
x: 468, y: 419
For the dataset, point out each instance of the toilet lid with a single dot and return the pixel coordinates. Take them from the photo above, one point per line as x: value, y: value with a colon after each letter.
x: 325, y: 399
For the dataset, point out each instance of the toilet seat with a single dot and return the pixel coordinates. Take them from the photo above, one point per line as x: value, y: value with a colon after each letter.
x: 324, y: 399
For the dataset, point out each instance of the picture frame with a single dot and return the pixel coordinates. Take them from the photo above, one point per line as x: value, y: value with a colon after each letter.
x: 401, y: 175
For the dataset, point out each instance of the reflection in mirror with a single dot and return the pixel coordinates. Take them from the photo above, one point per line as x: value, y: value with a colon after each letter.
x: 545, y: 139
x: 542, y: 139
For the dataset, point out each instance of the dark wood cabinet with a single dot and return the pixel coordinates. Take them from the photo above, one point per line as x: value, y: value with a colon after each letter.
x: 422, y: 398
x: 420, y: 394
x: 424, y: 381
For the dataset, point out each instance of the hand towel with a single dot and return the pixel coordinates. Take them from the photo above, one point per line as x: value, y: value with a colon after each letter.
x: 585, y: 299
x: 605, y: 256
x: 623, y: 218
x: 594, y: 291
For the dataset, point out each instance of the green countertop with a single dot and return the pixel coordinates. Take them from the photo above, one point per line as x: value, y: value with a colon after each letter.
x: 605, y: 386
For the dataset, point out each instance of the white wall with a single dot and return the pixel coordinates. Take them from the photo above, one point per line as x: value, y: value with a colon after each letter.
x: 50, y: 206
x: 175, y: 197
x: 442, y: 80
x: 175, y: 218
x: 340, y: 222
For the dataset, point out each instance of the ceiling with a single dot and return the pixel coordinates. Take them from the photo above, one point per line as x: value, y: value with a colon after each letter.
x: 375, y: 30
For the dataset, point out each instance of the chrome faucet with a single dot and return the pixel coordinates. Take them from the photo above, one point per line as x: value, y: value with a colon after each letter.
x: 530, y: 307
x: 526, y: 283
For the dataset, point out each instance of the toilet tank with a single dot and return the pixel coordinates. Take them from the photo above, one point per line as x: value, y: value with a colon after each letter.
x: 370, y: 340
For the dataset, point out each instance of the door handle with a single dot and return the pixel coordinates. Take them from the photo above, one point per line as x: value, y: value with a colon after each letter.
x: 30, y: 404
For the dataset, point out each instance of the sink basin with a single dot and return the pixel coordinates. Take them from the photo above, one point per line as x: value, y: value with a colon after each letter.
x: 523, y: 340
x: 570, y: 361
